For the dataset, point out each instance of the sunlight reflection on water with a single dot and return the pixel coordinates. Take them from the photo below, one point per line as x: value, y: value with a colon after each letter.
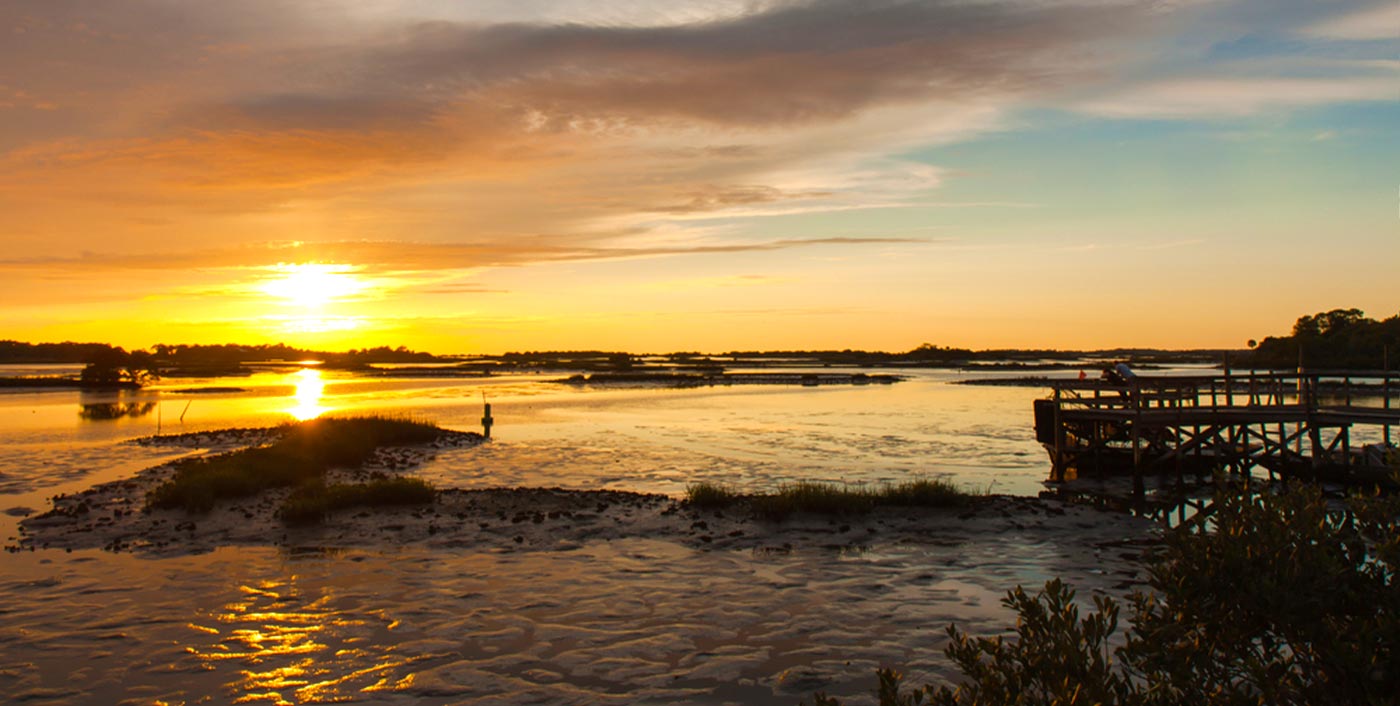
x: 310, y: 389
x: 290, y: 645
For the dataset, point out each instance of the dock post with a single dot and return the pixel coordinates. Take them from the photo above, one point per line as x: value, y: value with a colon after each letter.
x: 486, y: 420
x: 1231, y: 433
x: 1057, y: 470
x: 1229, y: 394
x: 1385, y: 387
x: 1136, y: 402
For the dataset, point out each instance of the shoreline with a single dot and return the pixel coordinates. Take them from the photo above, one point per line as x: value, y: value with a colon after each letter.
x: 113, y: 516
x: 533, y: 594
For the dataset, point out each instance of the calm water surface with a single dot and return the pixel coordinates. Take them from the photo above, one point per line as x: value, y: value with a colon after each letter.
x: 619, y: 622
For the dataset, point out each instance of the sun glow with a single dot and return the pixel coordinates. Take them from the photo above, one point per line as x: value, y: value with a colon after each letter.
x: 313, y: 285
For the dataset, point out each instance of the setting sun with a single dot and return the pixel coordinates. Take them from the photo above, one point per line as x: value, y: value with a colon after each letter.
x: 312, y: 285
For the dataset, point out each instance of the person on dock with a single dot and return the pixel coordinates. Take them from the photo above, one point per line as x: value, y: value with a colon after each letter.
x: 1120, y: 376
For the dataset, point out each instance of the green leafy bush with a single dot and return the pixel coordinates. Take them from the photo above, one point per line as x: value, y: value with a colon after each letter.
x: 1284, y: 602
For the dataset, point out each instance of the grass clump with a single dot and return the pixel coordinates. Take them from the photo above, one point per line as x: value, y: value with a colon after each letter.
x: 924, y: 492
x: 311, y: 502
x: 302, y: 454
x: 711, y: 495
x: 827, y: 498
x: 814, y: 497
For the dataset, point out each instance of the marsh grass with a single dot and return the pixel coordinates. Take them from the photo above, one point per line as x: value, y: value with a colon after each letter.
x: 302, y: 454
x: 311, y: 502
x: 824, y: 498
x: 711, y: 495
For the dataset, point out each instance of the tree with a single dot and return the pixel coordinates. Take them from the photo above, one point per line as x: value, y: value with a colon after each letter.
x: 1284, y: 602
x: 1340, y: 338
x: 115, y: 367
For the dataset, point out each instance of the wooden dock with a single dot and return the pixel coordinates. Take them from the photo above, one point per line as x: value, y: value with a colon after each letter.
x: 1315, y: 425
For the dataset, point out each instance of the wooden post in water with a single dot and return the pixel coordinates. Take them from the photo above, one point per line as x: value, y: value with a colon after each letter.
x: 1229, y: 395
x: 1385, y: 386
x: 1057, y: 470
x: 1136, y: 401
x: 486, y: 420
x: 1230, y: 438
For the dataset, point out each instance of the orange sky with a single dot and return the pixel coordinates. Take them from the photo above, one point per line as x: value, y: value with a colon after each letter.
x: 713, y: 176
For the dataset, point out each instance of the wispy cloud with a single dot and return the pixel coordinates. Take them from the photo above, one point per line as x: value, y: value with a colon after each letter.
x: 1232, y: 97
x: 1379, y: 21
x: 401, y: 257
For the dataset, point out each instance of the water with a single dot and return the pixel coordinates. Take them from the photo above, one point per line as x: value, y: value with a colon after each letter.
x: 655, y: 440
x: 629, y: 621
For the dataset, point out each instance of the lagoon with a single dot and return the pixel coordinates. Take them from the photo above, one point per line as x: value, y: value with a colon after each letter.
x: 632, y: 620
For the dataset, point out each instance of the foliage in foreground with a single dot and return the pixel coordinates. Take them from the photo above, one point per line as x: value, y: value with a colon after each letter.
x: 1284, y: 603
x: 302, y: 455
x: 829, y: 498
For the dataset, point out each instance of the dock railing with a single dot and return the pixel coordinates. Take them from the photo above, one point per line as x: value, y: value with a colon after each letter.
x: 1237, y: 420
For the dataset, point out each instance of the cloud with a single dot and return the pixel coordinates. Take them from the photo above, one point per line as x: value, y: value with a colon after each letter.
x: 283, y: 97
x: 711, y: 197
x: 1221, y: 97
x: 793, y: 63
x: 517, y: 132
x: 1378, y: 22
x: 399, y: 257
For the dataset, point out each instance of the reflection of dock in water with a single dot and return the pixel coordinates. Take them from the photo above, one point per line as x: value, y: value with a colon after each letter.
x: 1324, y: 425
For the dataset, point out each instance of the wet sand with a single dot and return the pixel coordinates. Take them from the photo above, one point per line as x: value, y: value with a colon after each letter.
x: 520, y: 596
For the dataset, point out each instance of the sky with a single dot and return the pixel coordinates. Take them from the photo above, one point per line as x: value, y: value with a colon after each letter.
x: 491, y: 176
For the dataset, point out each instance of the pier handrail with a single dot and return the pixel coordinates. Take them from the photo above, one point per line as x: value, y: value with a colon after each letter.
x: 1252, y: 389
x: 1276, y: 419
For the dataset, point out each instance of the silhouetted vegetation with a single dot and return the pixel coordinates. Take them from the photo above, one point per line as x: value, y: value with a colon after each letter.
x: 212, y: 358
x: 311, y: 502
x: 109, y: 411
x: 235, y: 356
x: 66, y: 352
x: 115, y: 367
x: 234, y: 359
x: 828, y: 498
x: 1337, y: 339
x: 302, y: 455
x: 1283, y: 602
x: 676, y: 379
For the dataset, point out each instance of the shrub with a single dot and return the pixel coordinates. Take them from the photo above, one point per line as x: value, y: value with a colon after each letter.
x: 1283, y: 603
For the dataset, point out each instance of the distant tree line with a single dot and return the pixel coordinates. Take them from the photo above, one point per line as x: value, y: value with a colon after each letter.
x: 229, y: 354
x: 200, y: 355
x: 114, y: 366
x: 65, y: 352
x: 1340, y: 338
